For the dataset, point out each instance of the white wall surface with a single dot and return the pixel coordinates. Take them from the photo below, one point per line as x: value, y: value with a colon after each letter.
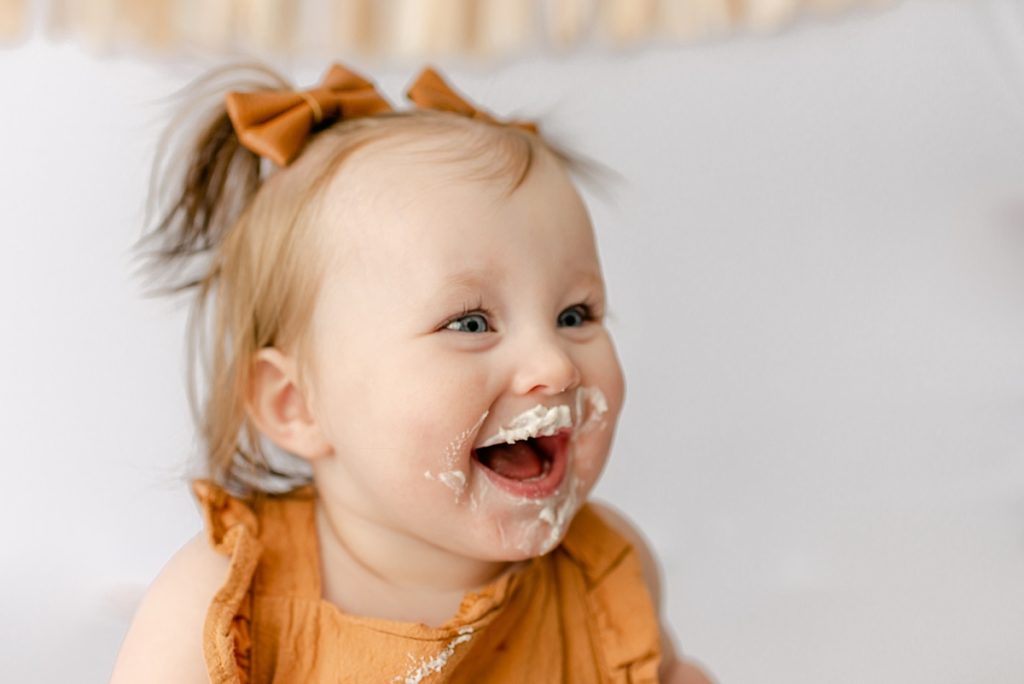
x: 816, y: 271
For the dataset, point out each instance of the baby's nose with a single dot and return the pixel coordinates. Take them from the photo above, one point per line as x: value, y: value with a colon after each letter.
x: 545, y: 366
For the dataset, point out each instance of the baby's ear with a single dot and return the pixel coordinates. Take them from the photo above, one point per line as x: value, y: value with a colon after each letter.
x: 277, y: 407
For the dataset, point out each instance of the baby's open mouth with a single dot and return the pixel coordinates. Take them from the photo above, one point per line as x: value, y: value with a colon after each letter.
x: 531, y: 467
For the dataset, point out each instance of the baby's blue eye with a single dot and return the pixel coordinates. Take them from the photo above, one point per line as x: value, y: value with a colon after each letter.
x: 575, y: 316
x: 472, y: 323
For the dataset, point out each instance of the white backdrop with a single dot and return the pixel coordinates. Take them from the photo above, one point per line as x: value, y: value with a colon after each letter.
x: 816, y: 272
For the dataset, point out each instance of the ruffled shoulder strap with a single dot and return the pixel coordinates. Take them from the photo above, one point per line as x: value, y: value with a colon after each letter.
x: 232, y: 529
x: 623, y: 614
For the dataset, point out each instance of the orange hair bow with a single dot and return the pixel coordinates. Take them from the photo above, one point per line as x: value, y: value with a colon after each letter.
x: 430, y: 91
x: 276, y: 123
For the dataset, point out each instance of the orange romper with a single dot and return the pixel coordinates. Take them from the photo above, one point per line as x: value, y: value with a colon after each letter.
x: 581, y: 613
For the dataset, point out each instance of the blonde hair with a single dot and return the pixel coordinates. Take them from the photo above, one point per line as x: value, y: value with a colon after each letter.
x: 251, y: 236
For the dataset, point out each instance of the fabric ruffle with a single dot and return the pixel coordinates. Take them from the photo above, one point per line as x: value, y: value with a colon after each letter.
x: 630, y: 640
x: 232, y: 529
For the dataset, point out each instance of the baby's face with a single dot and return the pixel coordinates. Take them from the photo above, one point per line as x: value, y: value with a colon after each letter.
x: 456, y: 318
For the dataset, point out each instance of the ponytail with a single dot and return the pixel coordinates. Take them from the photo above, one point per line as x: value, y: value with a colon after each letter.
x: 197, y: 193
x: 201, y: 184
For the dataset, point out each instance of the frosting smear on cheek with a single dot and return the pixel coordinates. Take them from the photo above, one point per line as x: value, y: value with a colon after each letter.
x: 450, y: 474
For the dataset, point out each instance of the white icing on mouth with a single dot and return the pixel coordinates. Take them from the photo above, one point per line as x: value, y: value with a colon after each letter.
x: 524, y: 525
x: 540, y: 421
x: 429, y: 666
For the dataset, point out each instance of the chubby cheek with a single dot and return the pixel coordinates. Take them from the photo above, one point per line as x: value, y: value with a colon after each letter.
x: 441, y: 422
x: 404, y: 461
x: 600, y: 408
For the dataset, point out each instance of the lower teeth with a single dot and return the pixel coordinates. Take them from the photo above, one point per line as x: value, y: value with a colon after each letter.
x: 543, y: 473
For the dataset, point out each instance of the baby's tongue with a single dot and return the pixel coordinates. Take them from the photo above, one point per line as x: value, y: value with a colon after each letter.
x: 517, y: 461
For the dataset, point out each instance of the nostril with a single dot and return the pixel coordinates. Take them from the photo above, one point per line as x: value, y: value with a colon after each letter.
x: 574, y: 382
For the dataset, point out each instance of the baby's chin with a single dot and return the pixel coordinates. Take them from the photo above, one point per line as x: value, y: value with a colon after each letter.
x: 525, y: 548
x: 512, y: 529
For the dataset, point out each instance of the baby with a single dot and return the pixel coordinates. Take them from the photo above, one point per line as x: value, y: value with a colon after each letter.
x: 409, y: 305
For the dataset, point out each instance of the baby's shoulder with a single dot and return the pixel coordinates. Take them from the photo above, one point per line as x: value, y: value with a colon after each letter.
x: 625, y: 528
x: 165, y: 640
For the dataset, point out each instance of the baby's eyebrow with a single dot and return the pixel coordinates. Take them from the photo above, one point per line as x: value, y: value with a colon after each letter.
x: 470, y: 278
x: 589, y: 277
x: 480, y: 278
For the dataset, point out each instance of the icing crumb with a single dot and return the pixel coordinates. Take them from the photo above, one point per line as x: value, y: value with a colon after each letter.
x: 428, y: 666
x: 456, y: 479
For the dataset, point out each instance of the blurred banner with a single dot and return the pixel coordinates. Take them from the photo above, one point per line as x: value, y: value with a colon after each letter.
x: 396, y: 28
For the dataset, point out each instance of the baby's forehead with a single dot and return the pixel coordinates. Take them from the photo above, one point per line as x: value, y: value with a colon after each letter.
x: 411, y: 160
x: 384, y: 190
x: 386, y: 179
x: 389, y: 170
x: 395, y: 204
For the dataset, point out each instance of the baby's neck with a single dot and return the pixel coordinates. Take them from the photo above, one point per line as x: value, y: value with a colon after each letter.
x: 371, y: 570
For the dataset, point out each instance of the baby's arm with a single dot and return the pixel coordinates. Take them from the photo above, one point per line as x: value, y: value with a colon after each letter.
x: 165, y: 640
x: 673, y: 670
